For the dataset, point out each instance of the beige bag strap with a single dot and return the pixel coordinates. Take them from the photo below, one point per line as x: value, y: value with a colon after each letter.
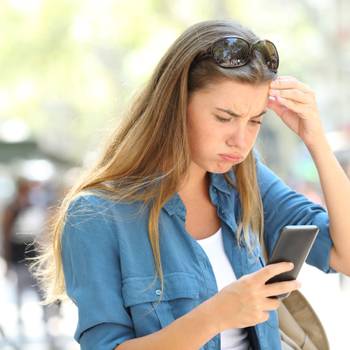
x: 290, y: 327
x: 300, y: 327
x: 306, y: 317
x: 287, y: 343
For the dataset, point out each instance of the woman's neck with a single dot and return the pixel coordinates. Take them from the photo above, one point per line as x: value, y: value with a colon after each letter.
x: 196, y: 184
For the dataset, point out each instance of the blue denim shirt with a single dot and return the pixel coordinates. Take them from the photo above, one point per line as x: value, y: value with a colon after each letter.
x: 109, y: 267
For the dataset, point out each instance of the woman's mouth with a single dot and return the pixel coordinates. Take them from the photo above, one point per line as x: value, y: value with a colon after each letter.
x: 231, y: 158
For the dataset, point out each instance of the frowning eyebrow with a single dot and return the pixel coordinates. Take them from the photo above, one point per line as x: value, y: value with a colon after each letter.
x: 233, y: 114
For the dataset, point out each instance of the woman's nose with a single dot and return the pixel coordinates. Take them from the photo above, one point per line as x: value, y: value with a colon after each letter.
x: 237, y: 137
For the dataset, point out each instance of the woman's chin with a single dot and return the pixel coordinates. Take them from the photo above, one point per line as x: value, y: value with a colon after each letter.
x: 222, y: 168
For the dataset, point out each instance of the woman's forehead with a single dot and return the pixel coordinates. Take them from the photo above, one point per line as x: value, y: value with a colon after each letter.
x: 236, y: 97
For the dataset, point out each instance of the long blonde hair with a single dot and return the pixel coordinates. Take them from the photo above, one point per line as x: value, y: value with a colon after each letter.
x: 147, y: 155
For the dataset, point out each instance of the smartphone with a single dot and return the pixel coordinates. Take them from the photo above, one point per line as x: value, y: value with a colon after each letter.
x: 293, y: 245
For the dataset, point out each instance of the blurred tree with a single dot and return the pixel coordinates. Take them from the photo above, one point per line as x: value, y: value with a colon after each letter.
x: 69, y: 67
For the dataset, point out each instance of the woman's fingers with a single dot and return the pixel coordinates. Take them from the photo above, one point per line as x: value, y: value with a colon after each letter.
x: 271, y: 304
x: 272, y: 270
x: 287, y: 82
x: 292, y: 94
x: 303, y: 110
x: 278, y: 288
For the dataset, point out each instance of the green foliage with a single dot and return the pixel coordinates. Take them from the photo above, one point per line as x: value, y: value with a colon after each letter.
x: 68, y: 68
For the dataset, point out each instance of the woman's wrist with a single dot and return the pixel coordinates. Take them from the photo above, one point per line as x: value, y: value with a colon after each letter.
x: 211, y: 314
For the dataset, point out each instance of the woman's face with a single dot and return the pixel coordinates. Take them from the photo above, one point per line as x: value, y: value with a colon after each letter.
x: 214, y: 131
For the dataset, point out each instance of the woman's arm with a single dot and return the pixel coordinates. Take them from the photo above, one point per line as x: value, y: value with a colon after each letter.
x: 242, y: 303
x: 336, y: 190
x: 295, y: 103
x: 189, y: 332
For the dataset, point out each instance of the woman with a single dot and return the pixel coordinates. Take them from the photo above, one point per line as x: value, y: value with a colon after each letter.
x: 158, y: 243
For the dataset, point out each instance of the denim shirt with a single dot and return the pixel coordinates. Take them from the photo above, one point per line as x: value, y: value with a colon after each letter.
x: 109, y: 267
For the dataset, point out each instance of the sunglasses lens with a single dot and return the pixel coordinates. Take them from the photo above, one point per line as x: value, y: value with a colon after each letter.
x: 268, y: 53
x: 231, y: 52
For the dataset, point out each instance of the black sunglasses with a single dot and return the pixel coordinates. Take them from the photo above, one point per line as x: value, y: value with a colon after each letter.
x: 234, y: 51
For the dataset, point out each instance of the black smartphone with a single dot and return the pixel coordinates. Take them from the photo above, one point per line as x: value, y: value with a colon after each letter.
x: 293, y: 245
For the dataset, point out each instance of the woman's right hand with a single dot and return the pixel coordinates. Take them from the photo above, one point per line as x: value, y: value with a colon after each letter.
x: 246, y: 302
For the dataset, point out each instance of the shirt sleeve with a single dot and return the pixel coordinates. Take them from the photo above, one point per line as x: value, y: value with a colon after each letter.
x: 92, y: 275
x: 284, y: 206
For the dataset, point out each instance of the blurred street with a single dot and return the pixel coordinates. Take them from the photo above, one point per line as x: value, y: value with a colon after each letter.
x: 31, y: 332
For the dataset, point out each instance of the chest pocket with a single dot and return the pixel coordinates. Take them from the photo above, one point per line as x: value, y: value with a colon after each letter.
x: 141, y: 296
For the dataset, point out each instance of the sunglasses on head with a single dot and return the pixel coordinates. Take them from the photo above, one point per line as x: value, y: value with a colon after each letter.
x: 234, y: 51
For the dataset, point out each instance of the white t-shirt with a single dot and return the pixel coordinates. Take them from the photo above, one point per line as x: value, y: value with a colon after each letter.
x: 235, y: 338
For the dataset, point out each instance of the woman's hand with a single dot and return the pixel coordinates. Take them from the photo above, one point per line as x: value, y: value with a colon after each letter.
x: 246, y: 302
x: 295, y: 103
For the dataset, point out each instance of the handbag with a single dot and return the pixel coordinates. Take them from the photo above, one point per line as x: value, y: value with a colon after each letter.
x: 299, y: 326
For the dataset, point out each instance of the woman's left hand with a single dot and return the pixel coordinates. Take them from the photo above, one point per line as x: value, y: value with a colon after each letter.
x: 295, y: 103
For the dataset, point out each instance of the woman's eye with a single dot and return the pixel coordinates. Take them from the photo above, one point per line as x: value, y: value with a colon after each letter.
x: 223, y: 120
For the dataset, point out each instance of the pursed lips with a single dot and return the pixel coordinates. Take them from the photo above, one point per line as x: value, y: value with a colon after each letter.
x: 232, y: 156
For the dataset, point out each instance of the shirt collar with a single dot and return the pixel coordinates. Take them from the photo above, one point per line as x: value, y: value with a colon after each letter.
x: 219, y: 182
x: 176, y: 205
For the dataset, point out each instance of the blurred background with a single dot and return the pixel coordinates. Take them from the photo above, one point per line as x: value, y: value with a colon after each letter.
x: 67, y: 71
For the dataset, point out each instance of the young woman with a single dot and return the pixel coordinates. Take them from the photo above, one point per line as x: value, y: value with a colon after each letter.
x: 158, y: 243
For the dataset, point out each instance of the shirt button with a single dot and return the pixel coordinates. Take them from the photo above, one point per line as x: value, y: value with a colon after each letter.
x: 158, y: 291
